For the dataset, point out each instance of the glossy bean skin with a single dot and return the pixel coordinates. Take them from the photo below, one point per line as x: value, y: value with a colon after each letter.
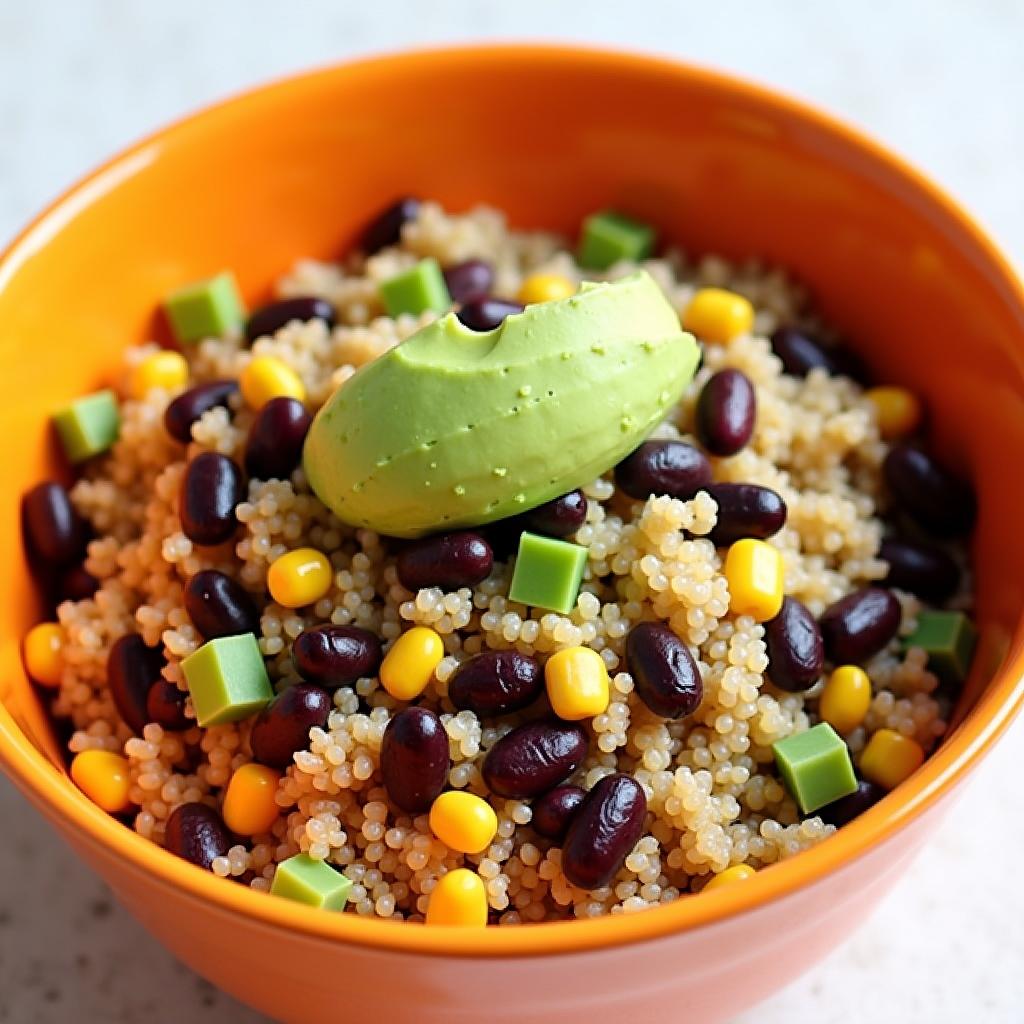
x: 663, y: 467
x: 132, y: 668
x: 936, y: 500
x: 920, y: 568
x: 268, y: 320
x: 274, y: 446
x: 446, y: 560
x: 76, y: 584
x: 604, y: 831
x: 796, y: 649
x: 496, y: 683
x: 220, y: 606
x: 844, y: 810
x: 190, y: 405
x: 859, y: 625
x: 386, y: 228
x: 745, y: 510
x: 469, y: 280
x: 666, y: 677
x: 210, y: 493
x: 553, y: 812
x: 282, y: 727
x: 800, y: 353
x: 333, y: 656
x: 486, y: 314
x: 165, y: 705
x: 196, y: 833
x: 54, y: 533
x: 414, y: 759
x: 560, y: 517
x: 726, y: 412
x: 534, y: 758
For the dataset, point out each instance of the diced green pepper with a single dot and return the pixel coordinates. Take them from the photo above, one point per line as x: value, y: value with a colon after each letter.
x: 949, y: 639
x: 205, y: 309
x: 548, y: 573
x: 89, y: 425
x: 306, y: 880
x: 416, y: 290
x: 227, y: 679
x: 815, y: 766
x: 608, y: 237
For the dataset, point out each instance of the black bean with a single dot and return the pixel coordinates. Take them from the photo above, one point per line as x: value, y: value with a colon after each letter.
x: 190, y: 405
x: 604, y: 831
x: 268, y: 320
x: 726, y: 411
x: 666, y: 677
x: 447, y: 560
x: 386, y: 228
x: 282, y: 727
x: 220, y: 606
x: 165, y: 705
x: 663, y: 467
x: 333, y: 656
x: 76, y: 584
x: 274, y: 446
x: 196, y: 833
x: 796, y: 650
x: 800, y: 353
x: 486, y: 314
x: 53, y: 531
x: 920, y: 568
x: 414, y: 759
x: 553, y: 812
x: 859, y: 625
x: 210, y: 493
x: 560, y: 517
x: 132, y: 668
x: 936, y: 500
x: 745, y: 510
x: 533, y: 758
x: 496, y: 683
x: 842, y: 811
x: 471, y: 279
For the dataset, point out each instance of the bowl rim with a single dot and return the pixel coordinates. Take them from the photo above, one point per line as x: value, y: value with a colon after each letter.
x: 1002, y: 699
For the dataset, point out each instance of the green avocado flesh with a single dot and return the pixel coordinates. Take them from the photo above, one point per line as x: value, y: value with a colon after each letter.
x: 456, y: 428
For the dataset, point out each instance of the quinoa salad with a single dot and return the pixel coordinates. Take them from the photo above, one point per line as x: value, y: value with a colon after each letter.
x: 585, y: 598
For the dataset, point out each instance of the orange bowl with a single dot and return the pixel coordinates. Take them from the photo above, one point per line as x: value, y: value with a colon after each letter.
x: 547, y: 134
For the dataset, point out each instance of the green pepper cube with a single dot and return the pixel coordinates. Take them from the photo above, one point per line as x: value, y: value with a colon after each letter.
x: 948, y: 638
x: 227, y: 679
x: 548, y: 573
x: 306, y: 880
x: 815, y: 766
x: 205, y: 309
x: 89, y: 425
x: 608, y: 237
x: 415, y: 290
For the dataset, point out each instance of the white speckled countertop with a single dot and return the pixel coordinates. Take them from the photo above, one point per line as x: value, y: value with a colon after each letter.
x: 941, y: 82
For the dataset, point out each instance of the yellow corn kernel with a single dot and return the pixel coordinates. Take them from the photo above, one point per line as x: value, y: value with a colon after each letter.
x: 897, y: 410
x: 755, y: 575
x: 249, y: 804
x: 409, y: 666
x: 300, y: 577
x: 889, y: 758
x: 44, y: 653
x: 577, y: 683
x: 718, y: 316
x: 459, y: 898
x: 545, y: 288
x: 463, y: 822
x: 737, y: 873
x: 166, y: 370
x: 103, y: 777
x: 266, y: 377
x: 846, y: 698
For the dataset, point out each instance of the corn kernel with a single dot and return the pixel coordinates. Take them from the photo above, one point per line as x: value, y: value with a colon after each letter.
x: 166, y: 370
x: 737, y: 873
x: 577, y: 683
x: 889, y: 758
x: 409, y: 666
x: 463, y: 822
x: 846, y: 698
x: 44, y: 653
x: 459, y: 898
x: 718, y: 316
x: 897, y: 410
x: 300, y: 577
x: 755, y: 575
x: 545, y: 288
x: 103, y: 777
x: 267, y: 377
x: 249, y: 804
